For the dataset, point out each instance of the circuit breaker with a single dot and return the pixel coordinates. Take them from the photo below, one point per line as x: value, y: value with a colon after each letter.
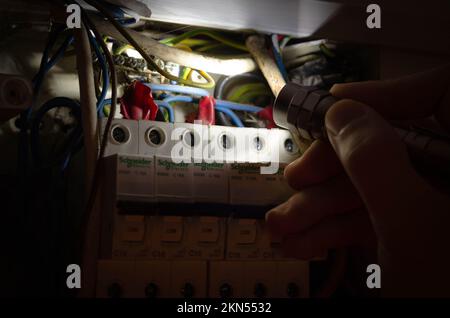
x: 185, y: 222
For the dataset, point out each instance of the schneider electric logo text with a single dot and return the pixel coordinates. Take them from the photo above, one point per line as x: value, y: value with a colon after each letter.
x: 135, y: 163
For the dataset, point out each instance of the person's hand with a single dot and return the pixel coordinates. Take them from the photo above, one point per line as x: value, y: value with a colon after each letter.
x: 361, y: 189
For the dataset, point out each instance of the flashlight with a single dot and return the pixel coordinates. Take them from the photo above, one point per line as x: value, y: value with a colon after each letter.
x: 302, y: 110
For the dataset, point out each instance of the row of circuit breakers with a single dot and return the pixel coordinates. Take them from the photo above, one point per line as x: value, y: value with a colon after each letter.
x: 183, y: 211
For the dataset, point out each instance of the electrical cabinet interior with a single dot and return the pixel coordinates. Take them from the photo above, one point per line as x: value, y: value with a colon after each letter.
x: 147, y: 134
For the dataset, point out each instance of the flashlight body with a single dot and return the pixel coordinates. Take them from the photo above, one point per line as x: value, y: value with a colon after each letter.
x: 302, y: 110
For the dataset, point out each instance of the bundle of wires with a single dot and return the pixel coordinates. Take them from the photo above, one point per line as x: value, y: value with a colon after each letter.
x: 244, y: 88
x: 52, y: 188
x: 297, y: 54
x: 222, y: 106
x: 186, y: 39
x: 27, y: 120
x: 321, y: 63
x: 183, y: 78
x: 276, y: 50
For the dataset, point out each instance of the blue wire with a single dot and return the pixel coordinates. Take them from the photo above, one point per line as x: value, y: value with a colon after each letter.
x: 278, y: 58
x: 127, y: 21
x: 237, y: 106
x: 202, y: 92
x: 25, y: 116
x: 119, y: 14
x: 59, y: 54
x: 179, y: 98
x: 169, y: 108
x: 280, y: 64
x: 66, y: 162
x: 51, y: 41
x: 174, y: 99
x: 219, y: 102
x: 35, y: 126
x: 46, y: 65
x: 236, y: 120
x: 223, y: 106
x: 105, y: 75
x: 187, y: 90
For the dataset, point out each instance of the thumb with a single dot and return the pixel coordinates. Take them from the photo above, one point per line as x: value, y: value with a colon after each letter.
x: 377, y: 163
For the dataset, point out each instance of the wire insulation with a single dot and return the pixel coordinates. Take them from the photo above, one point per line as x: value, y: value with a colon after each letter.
x: 209, y: 80
x: 213, y: 35
x: 237, y: 106
x: 236, y: 120
x: 229, y: 65
x: 187, y: 90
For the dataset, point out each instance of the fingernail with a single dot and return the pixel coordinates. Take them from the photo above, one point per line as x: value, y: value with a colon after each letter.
x: 338, y: 118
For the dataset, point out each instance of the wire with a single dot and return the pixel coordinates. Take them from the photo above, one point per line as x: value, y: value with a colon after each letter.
x: 226, y: 65
x: 326, y: 51
x: 284, y: 42
x: 214, y: 35
x: 304, y: 48
x: 122, y: 49
x: 103, y: 107
x: 58, y: 55
x: 53, y: 35
x: 105, y: 76
x: 167, y: 107
x: 187, y: 71
x: 179, y: 89
x: 222, y: 119
x: 209, y: 47
x: 245, y: 88
x: 209, y: 80
x: 104, y: 141
x: 301, y: 60
x: 219, y: 102
x: 45, y: 65
x: 225, y: 83
x: 70, y: 147
x: 236, y: 120
x: 225, y: 106
x: 178, y: 98
x: 248, y: 97
x: 195, y: 42
x: 174, y: 99
x: 237, y: 106
x: 277, y: 55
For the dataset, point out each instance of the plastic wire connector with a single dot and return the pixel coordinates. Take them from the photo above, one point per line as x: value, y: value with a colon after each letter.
x: 137, y: 103
x: 206, y: 110
x: 267, y: 115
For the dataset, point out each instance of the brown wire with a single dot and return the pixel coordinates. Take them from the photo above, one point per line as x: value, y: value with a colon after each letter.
x: 96, y: 178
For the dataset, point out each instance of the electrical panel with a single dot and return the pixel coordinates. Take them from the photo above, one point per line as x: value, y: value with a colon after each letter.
x: 183, y: 212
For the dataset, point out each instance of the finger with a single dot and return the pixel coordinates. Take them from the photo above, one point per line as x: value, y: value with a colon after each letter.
x: 378, y: 165
x: 316, y: 165
x: 311, y: 205
x: 415, y: 96
x: 348, y: 230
